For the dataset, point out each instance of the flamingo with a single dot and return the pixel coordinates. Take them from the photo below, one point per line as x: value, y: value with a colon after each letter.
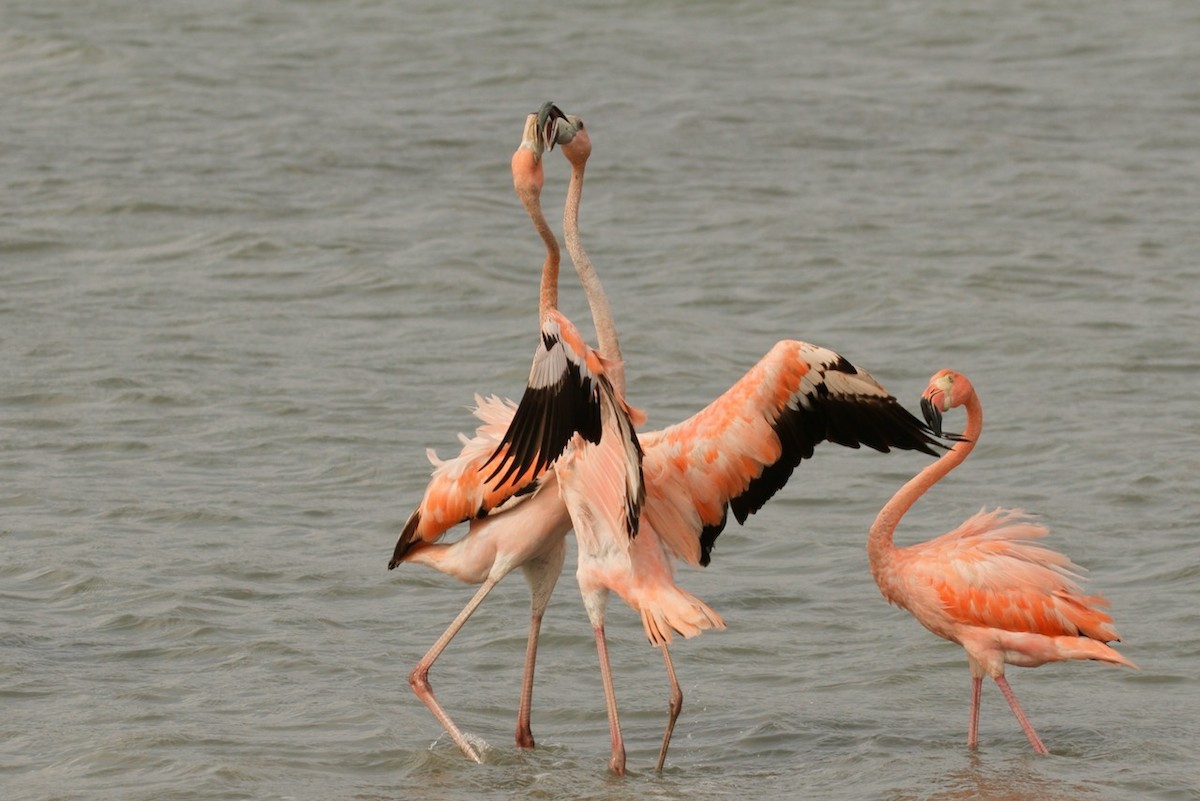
x: 988, y: 585
x: 570, y: 133
x: 735, y: 454
x: 516, y: 522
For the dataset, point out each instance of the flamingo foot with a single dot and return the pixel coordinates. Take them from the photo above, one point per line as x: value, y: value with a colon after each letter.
x: 525, y: 738
x: 617, y: 762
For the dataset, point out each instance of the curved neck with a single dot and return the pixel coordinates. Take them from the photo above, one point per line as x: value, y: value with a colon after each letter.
x: 527, y: 181
x: 879, y: 542
x: 602, y: 318
x: 548, y: 294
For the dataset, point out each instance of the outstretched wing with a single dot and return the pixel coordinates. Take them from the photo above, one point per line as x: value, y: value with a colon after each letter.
x: 568, y: 400
x: 742, y: 448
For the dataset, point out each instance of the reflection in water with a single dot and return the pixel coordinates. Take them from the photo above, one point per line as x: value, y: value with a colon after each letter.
x: 1011, y: 780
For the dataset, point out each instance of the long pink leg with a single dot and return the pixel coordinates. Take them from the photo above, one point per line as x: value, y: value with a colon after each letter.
x: 617, y: 762
x: 418, y: 679
x: 542, y: 574
x: 973, y: 726
x: 524, y: 732
x: 1034, y: 740
x: 675, y: 707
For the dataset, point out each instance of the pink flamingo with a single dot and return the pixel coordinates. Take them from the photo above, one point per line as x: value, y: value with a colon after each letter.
x: 988, y: 585
x: 519, y: 521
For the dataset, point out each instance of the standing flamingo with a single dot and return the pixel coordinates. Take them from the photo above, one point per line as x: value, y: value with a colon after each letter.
x: 988, y: 585
x: 576, y: 147
x: 518, y: 522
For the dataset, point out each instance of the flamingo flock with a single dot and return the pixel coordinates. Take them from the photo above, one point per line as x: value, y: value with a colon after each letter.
x: 569, y: 457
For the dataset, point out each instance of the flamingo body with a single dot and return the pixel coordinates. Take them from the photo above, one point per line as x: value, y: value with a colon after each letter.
x: 457, y: 491
x: 571, y: 417
x: 505, y: 536
x: 990, y: 586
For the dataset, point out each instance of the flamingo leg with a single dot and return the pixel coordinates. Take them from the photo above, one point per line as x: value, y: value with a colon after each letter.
x: 617, y: 762
x: 973, y: 726
x: 524, y: 735
x: 418, y: 679
x: 542, y: 574
x: 675, y: 707
x: 1034, y: 740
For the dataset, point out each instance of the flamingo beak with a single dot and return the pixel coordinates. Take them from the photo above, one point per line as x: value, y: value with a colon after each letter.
x: 931, y: 407
x: 933, y: 415
x: 548, y: 117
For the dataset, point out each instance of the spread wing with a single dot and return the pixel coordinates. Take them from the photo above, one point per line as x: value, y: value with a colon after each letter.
x: 743, y: 447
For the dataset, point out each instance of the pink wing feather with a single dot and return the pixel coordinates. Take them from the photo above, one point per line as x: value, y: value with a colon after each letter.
x: 991, y: 572
x: 742, y: 448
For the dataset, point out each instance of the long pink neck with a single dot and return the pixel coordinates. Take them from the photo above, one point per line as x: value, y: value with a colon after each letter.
x: 602, y: 318
x: 548, y: 294
x: 879, y: 543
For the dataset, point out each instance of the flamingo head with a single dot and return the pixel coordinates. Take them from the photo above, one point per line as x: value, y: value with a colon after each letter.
x: 527, y: 160
x: 947, y: 389
x: 576, y: 144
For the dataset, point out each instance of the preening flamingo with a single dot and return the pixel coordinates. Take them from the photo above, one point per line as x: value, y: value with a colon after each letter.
x: 988, y: 585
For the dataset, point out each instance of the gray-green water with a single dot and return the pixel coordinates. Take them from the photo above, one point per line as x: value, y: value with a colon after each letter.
x: 256, y: 257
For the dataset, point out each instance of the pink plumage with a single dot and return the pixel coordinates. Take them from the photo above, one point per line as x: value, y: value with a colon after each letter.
x: 989, y: 585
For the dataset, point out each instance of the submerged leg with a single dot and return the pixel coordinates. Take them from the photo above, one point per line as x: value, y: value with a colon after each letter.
x: 418, y: 679
x: 524, y: 735
x: 973, y: 726
x: 616, y: 762
x: 542, y: 574
x: 674, y: 708
x: 1034, y: 740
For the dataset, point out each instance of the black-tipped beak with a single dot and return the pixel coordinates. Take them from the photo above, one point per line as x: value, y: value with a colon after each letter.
x: 933, y: 416
x: 547, y: 121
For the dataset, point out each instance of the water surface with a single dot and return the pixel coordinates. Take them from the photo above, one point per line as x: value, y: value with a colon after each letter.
x: 254, y: 259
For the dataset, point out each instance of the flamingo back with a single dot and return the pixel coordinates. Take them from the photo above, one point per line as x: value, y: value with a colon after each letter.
x: 991, y: 572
